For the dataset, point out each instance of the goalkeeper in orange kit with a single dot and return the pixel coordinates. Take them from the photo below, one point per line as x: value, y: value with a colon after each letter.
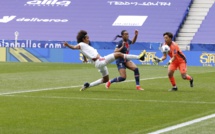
x: 177, y: 61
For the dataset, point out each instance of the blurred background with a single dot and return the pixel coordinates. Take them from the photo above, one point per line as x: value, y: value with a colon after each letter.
x: 37, y: 28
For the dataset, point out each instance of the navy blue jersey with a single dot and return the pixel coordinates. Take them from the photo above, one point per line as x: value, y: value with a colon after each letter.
x: 124, y: 50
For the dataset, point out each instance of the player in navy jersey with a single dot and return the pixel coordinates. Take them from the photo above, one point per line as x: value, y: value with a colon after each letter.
x: 123, y: 46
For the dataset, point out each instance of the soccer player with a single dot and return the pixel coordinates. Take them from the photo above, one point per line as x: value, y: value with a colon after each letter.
x: 123, y: 46
x: 178, y: 60
x: 100, y: 62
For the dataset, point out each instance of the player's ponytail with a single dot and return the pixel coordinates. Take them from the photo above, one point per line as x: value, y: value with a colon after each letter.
x: 119, y: 36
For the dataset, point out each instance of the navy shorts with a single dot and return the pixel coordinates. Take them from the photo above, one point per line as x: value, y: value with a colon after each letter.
x: 121, y: 64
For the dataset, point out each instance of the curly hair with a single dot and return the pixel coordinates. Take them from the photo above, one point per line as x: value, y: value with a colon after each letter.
x: 81, y: 35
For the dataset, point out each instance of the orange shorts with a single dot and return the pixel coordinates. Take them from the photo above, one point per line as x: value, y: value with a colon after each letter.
x: 178, y: 65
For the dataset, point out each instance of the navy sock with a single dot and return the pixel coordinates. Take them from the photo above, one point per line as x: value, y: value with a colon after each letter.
x: 117, y: 79
x: 137, y: 76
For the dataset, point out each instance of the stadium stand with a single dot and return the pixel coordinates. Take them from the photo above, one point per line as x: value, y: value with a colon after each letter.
x: 159, y: 19
x: 43, y: 25
x: 206, y: 32
x: 203, y: 39
x: 197, y: 14
x: 57, y: 20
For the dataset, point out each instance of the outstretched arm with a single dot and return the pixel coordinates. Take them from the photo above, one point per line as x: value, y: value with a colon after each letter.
x: 157, y: 60
x: 71, y: 46
x: 160, y: 59
x: 135, y: 37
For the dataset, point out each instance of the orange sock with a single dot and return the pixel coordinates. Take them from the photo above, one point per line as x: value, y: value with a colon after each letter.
x: 188, y: 77
x: 172, y: 80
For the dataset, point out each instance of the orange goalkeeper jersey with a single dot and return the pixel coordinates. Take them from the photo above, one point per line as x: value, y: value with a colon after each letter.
x: 175, y: 51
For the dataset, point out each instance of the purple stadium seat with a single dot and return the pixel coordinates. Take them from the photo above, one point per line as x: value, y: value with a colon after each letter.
x: 62, y: 19
x: 206, y: 32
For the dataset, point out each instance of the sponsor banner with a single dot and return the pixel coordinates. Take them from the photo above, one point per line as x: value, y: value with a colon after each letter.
x: 59, y: 44
x: 139, y: 3
x: 129, y: 20
x: 67, y: 55
x: 49, y: 3
x: 32, y: 44
x: 207, y: 59
x: 7, y: 19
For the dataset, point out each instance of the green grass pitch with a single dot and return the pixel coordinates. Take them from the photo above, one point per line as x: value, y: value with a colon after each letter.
x: 44, y: 98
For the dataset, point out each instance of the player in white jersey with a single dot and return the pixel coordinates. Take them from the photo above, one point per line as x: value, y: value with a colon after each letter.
x: 100, y: 62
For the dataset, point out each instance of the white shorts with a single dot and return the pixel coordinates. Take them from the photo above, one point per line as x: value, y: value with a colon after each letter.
x: 101, y: 64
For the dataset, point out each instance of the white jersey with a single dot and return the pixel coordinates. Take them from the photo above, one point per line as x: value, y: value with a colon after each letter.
x: 88, y: 51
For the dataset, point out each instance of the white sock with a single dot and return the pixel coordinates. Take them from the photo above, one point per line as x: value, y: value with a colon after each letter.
x: 95, y: 83
x: 131, y: 57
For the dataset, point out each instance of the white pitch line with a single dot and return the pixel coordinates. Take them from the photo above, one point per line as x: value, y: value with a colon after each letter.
x: 37, y: 90
x: 183, y: 124
x: 56, y: 88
